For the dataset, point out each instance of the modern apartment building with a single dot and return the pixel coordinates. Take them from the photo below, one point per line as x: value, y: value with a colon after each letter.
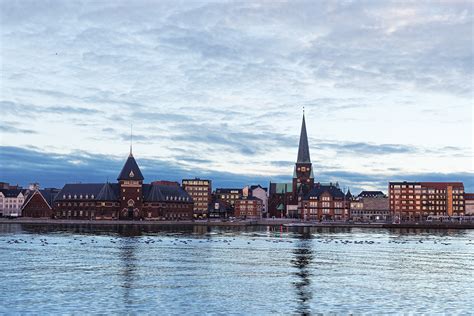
x: 200, y: 190
x: 414, y: 201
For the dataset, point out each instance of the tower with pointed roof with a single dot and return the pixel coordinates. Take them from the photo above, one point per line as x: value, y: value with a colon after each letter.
x: 130, y: 182
x: 303, y: 178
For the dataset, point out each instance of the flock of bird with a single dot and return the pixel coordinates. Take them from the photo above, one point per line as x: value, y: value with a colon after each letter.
x: 181, y: 241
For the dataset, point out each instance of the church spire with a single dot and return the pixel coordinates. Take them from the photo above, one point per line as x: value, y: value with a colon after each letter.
x: 303, y: 149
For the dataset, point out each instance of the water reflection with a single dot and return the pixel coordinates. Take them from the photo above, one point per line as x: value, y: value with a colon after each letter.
x: 127, y: 248
x: 303, y: 256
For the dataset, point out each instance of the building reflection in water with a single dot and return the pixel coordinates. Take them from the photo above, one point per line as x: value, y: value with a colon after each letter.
x: 128, y: 273
x: 303, y: 256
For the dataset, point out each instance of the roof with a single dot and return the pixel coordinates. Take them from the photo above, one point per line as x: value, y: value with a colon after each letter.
x: 130, y: 170
x: 253, y: 187
x: 348, y: 194
x: 431, y: 185
x: 49, y: 194
x: 12, y: 193
x: 371, y: 194
x: 320, y: 189
x: 228, y: 190
x: 303, y: 148
x: 165, y: 193
x: 88, y: 191
x: 281, y: 188
x: 108, y: 192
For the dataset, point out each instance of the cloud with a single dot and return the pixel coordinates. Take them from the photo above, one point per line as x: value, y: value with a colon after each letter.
x: 225, y: 83
x: 68, y: 110
x: 25, y: 165
x: 13, y: 128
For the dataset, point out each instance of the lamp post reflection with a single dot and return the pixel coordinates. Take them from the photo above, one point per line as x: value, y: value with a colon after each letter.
x: 303, y: 255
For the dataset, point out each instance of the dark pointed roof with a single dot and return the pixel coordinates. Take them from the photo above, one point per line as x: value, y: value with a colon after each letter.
x: 303, y: 149
x: 164, y: 193
x: 49, y: 195
x: 319, y: 189
x: 348, y: 194
x: 108, y: 193
x: 130, y: 170
x: 86, y: 191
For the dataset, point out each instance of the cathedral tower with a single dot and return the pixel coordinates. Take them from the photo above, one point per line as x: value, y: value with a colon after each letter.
x: 303, y: 178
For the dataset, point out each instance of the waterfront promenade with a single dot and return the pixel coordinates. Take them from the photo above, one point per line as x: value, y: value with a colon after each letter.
x: 261, y: 222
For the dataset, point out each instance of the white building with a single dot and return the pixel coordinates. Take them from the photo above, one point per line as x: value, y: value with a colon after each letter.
x: 11, y: 201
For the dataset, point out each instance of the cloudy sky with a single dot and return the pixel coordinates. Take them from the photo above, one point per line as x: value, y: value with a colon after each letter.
x: 216, y: 89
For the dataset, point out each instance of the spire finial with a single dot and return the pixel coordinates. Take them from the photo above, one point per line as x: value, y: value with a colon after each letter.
x: 131, y: 139
x: 303, y: 109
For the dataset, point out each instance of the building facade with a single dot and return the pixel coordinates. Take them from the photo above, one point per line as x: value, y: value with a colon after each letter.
x: 469, y: 203
x: 415, y: 201
x: 370, y: 207
x: 128, y: 199
x: 324, y: 202
x: 259, y: 192
x: 39, y: 203
x: 11, y: 202
x: 201, y: 192
x: 229, y: 196
x: 248, y: 207
x: 279, y: 197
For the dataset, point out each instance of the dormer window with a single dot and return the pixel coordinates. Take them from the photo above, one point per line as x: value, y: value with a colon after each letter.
x: 64, y: 196
x: 92, y: 196
x: 75, y: 196
x: 69, y: 196
x: 80, y: 196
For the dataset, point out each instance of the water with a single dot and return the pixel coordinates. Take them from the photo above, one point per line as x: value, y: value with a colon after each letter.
x: 253, y: 270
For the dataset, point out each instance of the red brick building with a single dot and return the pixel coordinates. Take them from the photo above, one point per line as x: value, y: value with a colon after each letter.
x: 39, y: 203
x: 129, y: 198
x: 325, y: 202
x: 415, y: 201
x: 248, y: 207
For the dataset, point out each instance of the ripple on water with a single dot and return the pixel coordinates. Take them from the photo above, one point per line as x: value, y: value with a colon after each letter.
x: 262, y: 270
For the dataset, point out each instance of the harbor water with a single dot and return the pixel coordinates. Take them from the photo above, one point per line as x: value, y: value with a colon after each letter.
x: 258, y: 270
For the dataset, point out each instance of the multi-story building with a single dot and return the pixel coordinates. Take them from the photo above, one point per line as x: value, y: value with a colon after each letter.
x: 415, y: 201
x: 129, y: 198
x: 11, y: 201
x: 200, y: 190
x: 259, y: 192
x: 370, y: 206
x: 469, y: 203
x: 325, y: 202
x: 228, y: 195
x: 248, y: 207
